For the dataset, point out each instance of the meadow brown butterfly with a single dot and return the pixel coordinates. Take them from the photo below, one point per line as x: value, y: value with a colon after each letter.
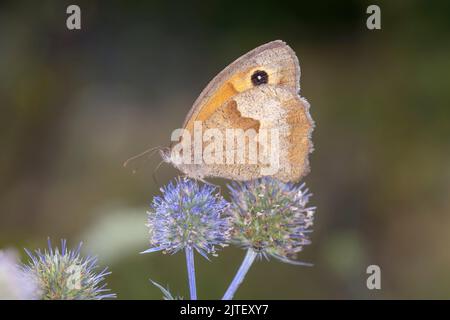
x: 248, y: 122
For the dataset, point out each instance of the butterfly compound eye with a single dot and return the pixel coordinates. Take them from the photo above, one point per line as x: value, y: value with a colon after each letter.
x: 259, y: 77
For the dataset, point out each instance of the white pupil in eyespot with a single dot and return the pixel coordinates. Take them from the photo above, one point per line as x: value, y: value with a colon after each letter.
x: 259, y: 77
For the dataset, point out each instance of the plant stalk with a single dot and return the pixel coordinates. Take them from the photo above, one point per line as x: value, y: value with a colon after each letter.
x: 191, y: 272
x: 240, y: 275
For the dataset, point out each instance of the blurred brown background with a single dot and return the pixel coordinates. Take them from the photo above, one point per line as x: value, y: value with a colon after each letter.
x: 75, y: 104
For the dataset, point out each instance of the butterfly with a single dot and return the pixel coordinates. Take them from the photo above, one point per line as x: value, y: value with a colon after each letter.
x: 249, y: 121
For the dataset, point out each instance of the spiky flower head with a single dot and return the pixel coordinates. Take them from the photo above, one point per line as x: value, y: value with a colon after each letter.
x: 66, y: 275
x: 271, y: 217
x: 188, y: 214
x: 14, y: 283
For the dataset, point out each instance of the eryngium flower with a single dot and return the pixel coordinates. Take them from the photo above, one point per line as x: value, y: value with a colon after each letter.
x: 188, y: 214
x: 66, y: 275
x: 271, y: 217
x: 14, y: 283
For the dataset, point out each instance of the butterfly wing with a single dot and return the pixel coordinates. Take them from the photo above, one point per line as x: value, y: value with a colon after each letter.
x: 257, y: 93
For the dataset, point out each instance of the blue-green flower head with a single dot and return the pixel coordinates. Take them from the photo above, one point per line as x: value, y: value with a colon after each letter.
x: 188, y: 214
x: 64, y: 274
x: 271, y: 217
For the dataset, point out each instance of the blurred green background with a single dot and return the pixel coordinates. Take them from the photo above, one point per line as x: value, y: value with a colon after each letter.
x: 75, y: 104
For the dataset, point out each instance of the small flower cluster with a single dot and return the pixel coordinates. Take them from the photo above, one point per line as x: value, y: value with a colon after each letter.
x: 271, y: 217
x: 188, y: 215
x: 66, y: 275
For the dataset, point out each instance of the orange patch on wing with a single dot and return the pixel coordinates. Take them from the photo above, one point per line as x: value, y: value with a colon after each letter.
x: 225, y: 92
x: 229, y: 89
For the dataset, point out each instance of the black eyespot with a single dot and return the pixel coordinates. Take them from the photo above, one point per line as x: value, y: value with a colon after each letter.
x: 259, y: 77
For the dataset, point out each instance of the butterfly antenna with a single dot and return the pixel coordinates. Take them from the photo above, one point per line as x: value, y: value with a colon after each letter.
x: 150, y: 152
